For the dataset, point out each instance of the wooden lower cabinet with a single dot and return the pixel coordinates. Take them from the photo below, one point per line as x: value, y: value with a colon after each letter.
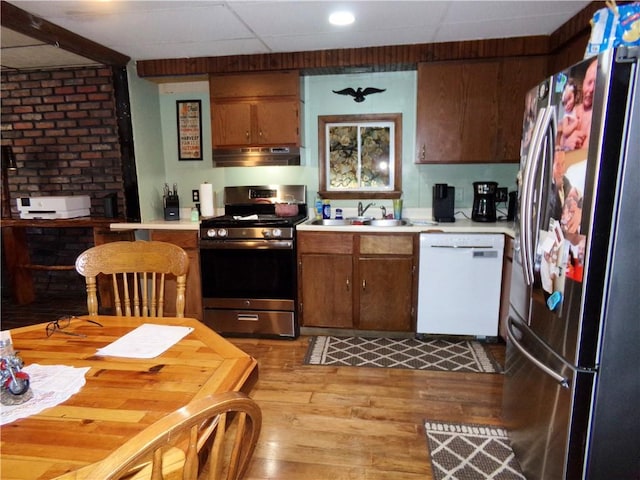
x: 327, y: 289
x: 357, y: 281
x: 188, y: 240
x: 385, y: 297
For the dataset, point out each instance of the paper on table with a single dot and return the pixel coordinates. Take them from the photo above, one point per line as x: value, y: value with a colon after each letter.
x: 146, y: 341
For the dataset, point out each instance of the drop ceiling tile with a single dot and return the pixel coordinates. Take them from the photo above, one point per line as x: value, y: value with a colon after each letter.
x: 46, y: 56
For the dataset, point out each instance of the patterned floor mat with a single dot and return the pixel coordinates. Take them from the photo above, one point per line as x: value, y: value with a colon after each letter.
x: 429, y: 354
x: 470, y: 452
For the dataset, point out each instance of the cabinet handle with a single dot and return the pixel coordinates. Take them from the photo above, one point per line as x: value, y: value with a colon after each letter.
x: 364, y: 284
x: 423, y: 153
x: 348, y: 285
x: 246, y: 134
x: 260, y: 133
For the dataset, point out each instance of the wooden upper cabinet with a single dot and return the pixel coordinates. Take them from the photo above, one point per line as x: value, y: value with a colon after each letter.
x: 471, y: 111
x: 231, y: 123
x: 457, y: 108
x: 517, y: 76
x: 277, y: 122
x: 259, y: 109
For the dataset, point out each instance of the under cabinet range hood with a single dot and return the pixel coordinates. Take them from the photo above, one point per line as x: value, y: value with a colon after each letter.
x: 255, y: 156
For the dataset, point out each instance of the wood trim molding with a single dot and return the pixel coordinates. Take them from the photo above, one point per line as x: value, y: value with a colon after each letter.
x: 386, y: 58
x: 23, y: 22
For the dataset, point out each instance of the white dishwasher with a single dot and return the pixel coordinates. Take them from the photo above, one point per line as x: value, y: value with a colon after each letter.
x: 459, y: 283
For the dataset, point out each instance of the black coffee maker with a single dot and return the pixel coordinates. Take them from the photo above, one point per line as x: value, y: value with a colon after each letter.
x: 443, y: 201
x: 484, y: 201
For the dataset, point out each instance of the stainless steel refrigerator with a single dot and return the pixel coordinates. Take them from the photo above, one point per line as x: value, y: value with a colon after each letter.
x: 572, y: 378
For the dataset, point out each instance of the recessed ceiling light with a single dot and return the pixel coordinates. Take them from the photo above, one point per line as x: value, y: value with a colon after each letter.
x: 341, y: 18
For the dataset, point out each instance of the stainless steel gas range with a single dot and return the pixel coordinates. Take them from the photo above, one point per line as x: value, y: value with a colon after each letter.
x: 248, y: 262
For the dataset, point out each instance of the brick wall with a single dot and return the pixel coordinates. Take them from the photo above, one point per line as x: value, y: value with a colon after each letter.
x: 63, y: 129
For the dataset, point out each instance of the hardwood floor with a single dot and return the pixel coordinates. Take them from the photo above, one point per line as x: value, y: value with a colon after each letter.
x: 356, y: 423
x: 337, y: 423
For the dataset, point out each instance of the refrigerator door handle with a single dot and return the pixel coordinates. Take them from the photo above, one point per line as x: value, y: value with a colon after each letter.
x: 562, y: 380
x: 526, y: 205
x: 546, y: 125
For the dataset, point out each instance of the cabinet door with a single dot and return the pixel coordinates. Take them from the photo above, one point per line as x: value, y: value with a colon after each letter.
x: 193, y: 301
x: 326, y: 290
x: 230, y: 124
x: 517, y: 77
x: 386, y: 286
x: 457, y: 114
x: 277, y: 122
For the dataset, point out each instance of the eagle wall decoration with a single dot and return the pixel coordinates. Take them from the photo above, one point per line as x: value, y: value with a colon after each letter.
x: 359, y: 94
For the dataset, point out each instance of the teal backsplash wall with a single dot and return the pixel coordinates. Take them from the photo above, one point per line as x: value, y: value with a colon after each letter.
x: 152, y: 135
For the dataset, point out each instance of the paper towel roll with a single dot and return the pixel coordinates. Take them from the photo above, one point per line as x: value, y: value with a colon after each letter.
x: 206, y: 200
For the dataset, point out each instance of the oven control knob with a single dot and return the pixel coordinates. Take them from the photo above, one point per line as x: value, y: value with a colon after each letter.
x: 222, y: 232
x: 276, y: 233
x: 211, y: 233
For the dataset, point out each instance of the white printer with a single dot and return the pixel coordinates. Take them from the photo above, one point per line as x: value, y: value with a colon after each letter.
x: 50, y: 208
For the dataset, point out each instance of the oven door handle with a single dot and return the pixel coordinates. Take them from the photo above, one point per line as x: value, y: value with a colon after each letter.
x: 246, y: 244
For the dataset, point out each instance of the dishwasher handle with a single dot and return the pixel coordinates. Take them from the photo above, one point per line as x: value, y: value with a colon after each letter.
x: 484, y: 254
x: 477, y: 251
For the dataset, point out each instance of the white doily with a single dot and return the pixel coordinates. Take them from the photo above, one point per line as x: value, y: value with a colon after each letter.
x: 51, y: 385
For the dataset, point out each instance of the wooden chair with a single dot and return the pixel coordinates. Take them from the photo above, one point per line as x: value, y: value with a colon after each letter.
x: 144, y: 263
x: 227, y: 425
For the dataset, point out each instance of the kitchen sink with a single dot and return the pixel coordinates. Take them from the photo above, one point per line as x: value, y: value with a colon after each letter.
x: 362, y: 221
x: 331, y: 222
x: 388, y: 222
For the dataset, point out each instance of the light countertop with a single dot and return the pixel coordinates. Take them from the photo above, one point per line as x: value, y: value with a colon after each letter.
x: 418, y: 226
x: 420, y: 221
x: 182, y: 224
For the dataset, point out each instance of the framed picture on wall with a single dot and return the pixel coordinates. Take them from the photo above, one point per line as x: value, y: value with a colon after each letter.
x: 189, y: 115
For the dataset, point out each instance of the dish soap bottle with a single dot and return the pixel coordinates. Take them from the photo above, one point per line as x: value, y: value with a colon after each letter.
x: 326, y: 209
x: 318, y: 208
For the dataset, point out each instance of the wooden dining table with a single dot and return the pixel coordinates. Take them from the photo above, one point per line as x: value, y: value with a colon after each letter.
x: 121, y: 396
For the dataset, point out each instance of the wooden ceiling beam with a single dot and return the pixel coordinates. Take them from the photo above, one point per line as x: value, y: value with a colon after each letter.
x: 24, y: 22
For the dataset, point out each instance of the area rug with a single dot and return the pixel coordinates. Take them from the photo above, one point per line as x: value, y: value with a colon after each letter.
x: 471, y: 452
x: 411, y: 353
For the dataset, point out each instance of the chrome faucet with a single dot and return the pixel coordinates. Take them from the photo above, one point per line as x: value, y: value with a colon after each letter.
x: 362, y: 210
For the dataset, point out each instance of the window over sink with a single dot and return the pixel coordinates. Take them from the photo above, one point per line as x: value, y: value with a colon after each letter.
x: 360, y: 156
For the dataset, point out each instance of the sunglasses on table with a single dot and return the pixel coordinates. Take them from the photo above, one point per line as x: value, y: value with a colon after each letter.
x: 61, y: 323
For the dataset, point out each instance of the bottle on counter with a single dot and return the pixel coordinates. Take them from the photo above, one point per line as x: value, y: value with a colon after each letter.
x: 195, y: 215
x: 338, y: 214
x: 326, y: 209
x: 6, y: 344
x: 318, y: 209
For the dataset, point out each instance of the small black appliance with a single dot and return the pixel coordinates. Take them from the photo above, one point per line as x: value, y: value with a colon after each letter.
x: 443, y: 197
x: 484, y: 201
x: 513, y: 204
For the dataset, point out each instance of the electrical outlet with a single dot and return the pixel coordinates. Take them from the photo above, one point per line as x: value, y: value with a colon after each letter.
x: 501, y: 194
x: 195, y: 195
x: 459, y: 195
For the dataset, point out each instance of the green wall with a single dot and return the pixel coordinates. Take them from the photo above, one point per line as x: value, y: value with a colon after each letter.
x: 155, y: 134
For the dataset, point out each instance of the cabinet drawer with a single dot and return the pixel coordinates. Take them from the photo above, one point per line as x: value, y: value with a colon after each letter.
x: 187, y: 240
x: 325, y: 242
x: 380, y: 244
